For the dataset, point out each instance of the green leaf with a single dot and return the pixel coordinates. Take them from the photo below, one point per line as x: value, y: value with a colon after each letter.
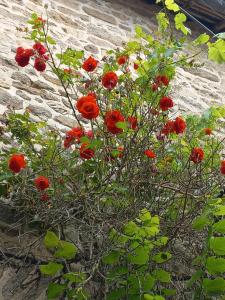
x: 139, y: 256
x: 55, y: 290
x: 145, y: 215
x: 215, y: 265
x: 111, y: 258
x: 179, y: 19
x: 162, y: 275
x: 202, y: 39
x: 217, y: 244
x: 148, y: 282
x: 116, y: 294
x: 51, y: 268
x: 50, y: 40
x: 148, y: 297
x: 169, y: 292
x: 66, y: 250
x: 163, y: 21
x: 219, y: 226
x: 122, y: 125
x: 75, y: 277
x: 200, y: 222
x: 220, y: 211
x: 171, y: 5
x: 51, y: 240
x: 217, y: 51
x: 161, y: 257
x: 214, y: 286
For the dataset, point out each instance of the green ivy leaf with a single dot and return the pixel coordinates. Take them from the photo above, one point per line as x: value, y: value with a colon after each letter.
x: 55, y: 290
x: 51, y: 240
x: 75, y: 277
x: 116, y: 294
x: 219, y: 226
x: 171, y: 5
x: 163, y: 21
x: 202, y: 39
x: 215, y: 265
x: 220, y: 211
x: 139, y: 256
x: 200, y: 222
x: 51, y: 268
x: 162, y: 275
x: 217, y: 244
x: 214, y: 286
x: 66, y: 250
x: 161, y: 257
x: 111, y: 258
x: 179, y: 19
x: 50, y: 40
x: 217, y: 51
x: 169, y: 292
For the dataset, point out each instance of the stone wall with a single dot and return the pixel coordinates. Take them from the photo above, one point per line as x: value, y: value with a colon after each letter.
x: 92, y: 25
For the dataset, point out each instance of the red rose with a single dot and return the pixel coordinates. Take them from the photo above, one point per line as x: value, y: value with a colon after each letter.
x: 122, y: 60
x: 149, y: 153
x: 197, y: 155
x: 85, y: 152
x: 109, y: 80
x: 155, y: 87
x: 111, y: 119
x: 165, y: 103
x: 16, y: 163
x: 136, y: 66
x: 93, y: 95
x: 90, y: 64
x: 88, y: 107
x: 222, y: 167
x: 208, y: 131
x: 39, y: 64
x: 179, y: 125
x: 168, y: 128
x: 73, y: 135
x: 23, y: 56
x: 41, y: 183
x: 162, y: 79
x: 133, y: 122
x: 39, y: 48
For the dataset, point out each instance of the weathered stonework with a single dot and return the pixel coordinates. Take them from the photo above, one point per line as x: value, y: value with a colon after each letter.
x: 95, y: 26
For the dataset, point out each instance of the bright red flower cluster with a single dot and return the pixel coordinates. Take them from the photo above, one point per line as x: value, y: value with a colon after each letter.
x: 222, y: 167
x: 109, y: 80
x: 160, y: 80
x: 132, y: 122
x: 73, y: 135
x: 88, y: 107
x: 85, y: 152
x: 165, y: 103
x: 16, y: 163
x: 178, y: 126
x: 122, y: 60
x: 197, y: 155
x: 90, y: 64
x: 23, y: 56
x: 208, y: 131
x: 149, y: 153
x: 42, y: 183
x: 111, y: 119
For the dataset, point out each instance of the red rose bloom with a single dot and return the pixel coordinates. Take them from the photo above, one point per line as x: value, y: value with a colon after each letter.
x: 89, y: 134
x: 149, y: 153
x: 179, y: 125
x: 222, y: 167
x: 88, y: 107
x: 73, y: 135
x: 197, y: 155
x: 155, y: 87
x: 122, y: 60
x: 85, y: 152
x: 90, y: 64
x: 165, y: 103
x: 133, y: 122
x: 39, y: 48
x: 42, y: 183
x: 111, y: 119
x: 208, y: 131
x: 136, y: 66
x: 162, y: 79
x: 109, y: 80
x: 23, y: 56
x: 16, y: 163
x: 168, y: 128
x: 39, y: 64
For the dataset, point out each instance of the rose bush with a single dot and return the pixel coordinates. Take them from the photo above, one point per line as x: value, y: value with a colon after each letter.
x: 137, y: 154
